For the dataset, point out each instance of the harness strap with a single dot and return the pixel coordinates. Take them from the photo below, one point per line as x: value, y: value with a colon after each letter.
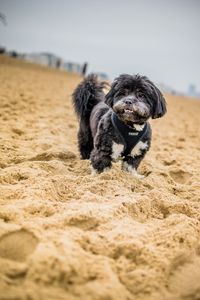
x: 128, y: 135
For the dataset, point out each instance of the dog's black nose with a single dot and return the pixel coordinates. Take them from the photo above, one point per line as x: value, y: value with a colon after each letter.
x: 128, y: 101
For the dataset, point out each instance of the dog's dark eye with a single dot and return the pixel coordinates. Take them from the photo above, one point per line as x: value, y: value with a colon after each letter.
x: 140, y: 95
x: 122, y: 93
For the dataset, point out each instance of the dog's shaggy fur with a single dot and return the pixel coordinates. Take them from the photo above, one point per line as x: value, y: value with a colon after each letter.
x: 132, y: 100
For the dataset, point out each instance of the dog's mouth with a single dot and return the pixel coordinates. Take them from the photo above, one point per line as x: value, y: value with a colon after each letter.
x: 130, y: 115
x: 122, y: 111
x: 128, y: 111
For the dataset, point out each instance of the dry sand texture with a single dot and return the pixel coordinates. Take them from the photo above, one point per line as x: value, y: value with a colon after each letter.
x: 65, y: 234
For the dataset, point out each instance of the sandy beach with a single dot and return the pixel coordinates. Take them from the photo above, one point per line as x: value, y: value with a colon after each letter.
x: 67, y: 234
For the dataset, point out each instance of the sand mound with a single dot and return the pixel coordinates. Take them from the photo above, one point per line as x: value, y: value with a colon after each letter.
x: 66, y: 234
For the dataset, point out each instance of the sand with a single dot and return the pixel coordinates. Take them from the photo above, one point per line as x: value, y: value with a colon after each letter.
x: 67, y: 234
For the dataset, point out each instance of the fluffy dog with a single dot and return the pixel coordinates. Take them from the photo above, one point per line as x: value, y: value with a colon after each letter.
x: 115, y: 126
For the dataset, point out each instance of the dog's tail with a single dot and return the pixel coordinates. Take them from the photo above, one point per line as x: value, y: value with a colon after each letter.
x: 87, y: 94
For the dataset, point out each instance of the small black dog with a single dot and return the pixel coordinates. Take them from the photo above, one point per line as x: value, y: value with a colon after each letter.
x: 114, y: 126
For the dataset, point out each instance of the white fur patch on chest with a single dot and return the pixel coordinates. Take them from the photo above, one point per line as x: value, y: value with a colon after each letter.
x: 139, y: 127
x: 137, y: 149
x: 116, y: 150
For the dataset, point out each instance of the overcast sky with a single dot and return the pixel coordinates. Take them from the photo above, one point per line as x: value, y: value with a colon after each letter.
x: 157, y: 38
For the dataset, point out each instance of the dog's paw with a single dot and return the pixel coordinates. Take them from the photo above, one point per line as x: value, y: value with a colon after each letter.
x: 136, y: 174
x: 128, y: 168
x: 96, y: 172
x: 100, y: 163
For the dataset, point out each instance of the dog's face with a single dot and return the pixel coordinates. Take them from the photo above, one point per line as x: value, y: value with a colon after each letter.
x: 135, y: 99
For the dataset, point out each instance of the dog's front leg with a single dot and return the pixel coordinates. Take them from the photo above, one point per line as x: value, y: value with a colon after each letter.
x: 101, y: 154
x: 100, y: 161
x: 130, y: 164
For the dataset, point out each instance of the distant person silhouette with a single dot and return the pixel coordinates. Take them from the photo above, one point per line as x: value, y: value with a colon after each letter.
x: 84, y: 69
x: 58, y: 63
x: 13, y: 54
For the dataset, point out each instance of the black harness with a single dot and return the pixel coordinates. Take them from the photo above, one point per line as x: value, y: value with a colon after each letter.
x: 128, y: 135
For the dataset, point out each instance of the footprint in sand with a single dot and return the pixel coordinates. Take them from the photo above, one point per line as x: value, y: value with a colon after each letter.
x: 18, y: 131
x: 169, y: 162
x: 50, y: 155
x: 17, y: 245
x: 180, y: 176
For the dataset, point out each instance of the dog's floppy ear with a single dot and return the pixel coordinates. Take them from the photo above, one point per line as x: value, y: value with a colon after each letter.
x: 159, y: 107
x: 110, y: 95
